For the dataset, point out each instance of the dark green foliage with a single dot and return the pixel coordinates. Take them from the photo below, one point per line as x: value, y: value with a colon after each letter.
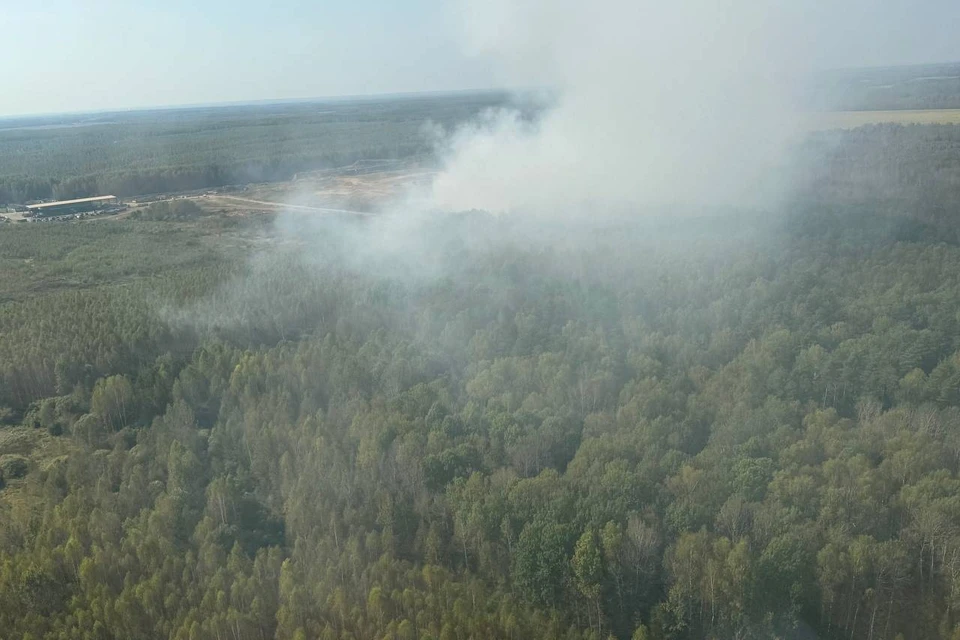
x: 882, y: 181
x: 540, y: 562
x: 13, y: 466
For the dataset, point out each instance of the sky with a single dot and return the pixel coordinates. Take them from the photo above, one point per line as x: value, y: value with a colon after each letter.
x: 83, y: 55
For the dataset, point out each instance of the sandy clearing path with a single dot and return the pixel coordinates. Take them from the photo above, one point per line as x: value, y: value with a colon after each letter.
x: 298, y: 207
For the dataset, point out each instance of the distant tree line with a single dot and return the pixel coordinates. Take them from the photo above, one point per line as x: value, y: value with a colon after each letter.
x: 931, y: 86
x: 181, y: 150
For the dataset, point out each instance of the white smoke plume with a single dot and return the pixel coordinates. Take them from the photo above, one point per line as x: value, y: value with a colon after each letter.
x: 659, y: 103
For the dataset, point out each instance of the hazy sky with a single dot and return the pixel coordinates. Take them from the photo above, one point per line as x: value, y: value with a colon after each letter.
x: 77, y: 55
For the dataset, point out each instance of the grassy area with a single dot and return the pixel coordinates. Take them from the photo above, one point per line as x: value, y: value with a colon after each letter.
x: 40, y: 258
x: 38, y: 448
x: 93, y: 293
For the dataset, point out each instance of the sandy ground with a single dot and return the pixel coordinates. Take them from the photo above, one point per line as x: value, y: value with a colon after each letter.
x: 221, y: 199
x: 341, y: 191
x: 354, y: 190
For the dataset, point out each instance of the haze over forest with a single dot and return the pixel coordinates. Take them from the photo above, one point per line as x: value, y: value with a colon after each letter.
x: 665, y: 348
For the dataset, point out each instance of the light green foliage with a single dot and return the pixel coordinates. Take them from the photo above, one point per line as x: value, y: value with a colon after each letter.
x: 657, y: 434
x: 113, y: 401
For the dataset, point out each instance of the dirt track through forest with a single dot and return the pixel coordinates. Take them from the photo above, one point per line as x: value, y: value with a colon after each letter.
x: 298, y: 207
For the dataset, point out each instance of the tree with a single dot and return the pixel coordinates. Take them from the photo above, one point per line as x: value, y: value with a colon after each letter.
x: 113, y: 401
x: 588, y: 572
x: 540, y: 562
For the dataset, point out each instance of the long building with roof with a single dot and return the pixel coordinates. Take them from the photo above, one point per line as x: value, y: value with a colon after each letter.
x: 68, y: 207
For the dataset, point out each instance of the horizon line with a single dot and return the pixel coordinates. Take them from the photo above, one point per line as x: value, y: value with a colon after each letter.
x: 359, y: 97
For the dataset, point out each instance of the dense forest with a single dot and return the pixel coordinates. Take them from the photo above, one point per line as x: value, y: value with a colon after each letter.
x: 731, y: 425
x: 148, y: 152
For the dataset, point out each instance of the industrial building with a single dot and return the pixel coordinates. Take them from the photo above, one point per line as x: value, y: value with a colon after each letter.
x: 70, y: 207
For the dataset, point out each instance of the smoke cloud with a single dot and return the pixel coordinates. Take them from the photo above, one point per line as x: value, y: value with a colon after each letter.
x: 657, y: 104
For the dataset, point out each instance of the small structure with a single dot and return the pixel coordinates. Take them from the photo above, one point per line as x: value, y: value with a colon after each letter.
x: 67, y: 207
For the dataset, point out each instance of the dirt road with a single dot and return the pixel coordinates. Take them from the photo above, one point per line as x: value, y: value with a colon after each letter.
x: 298, y: 207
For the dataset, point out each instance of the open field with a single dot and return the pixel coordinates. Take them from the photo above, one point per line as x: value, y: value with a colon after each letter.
x: 272, y: 205
x: 361, y: 188
x: 854, y: 119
